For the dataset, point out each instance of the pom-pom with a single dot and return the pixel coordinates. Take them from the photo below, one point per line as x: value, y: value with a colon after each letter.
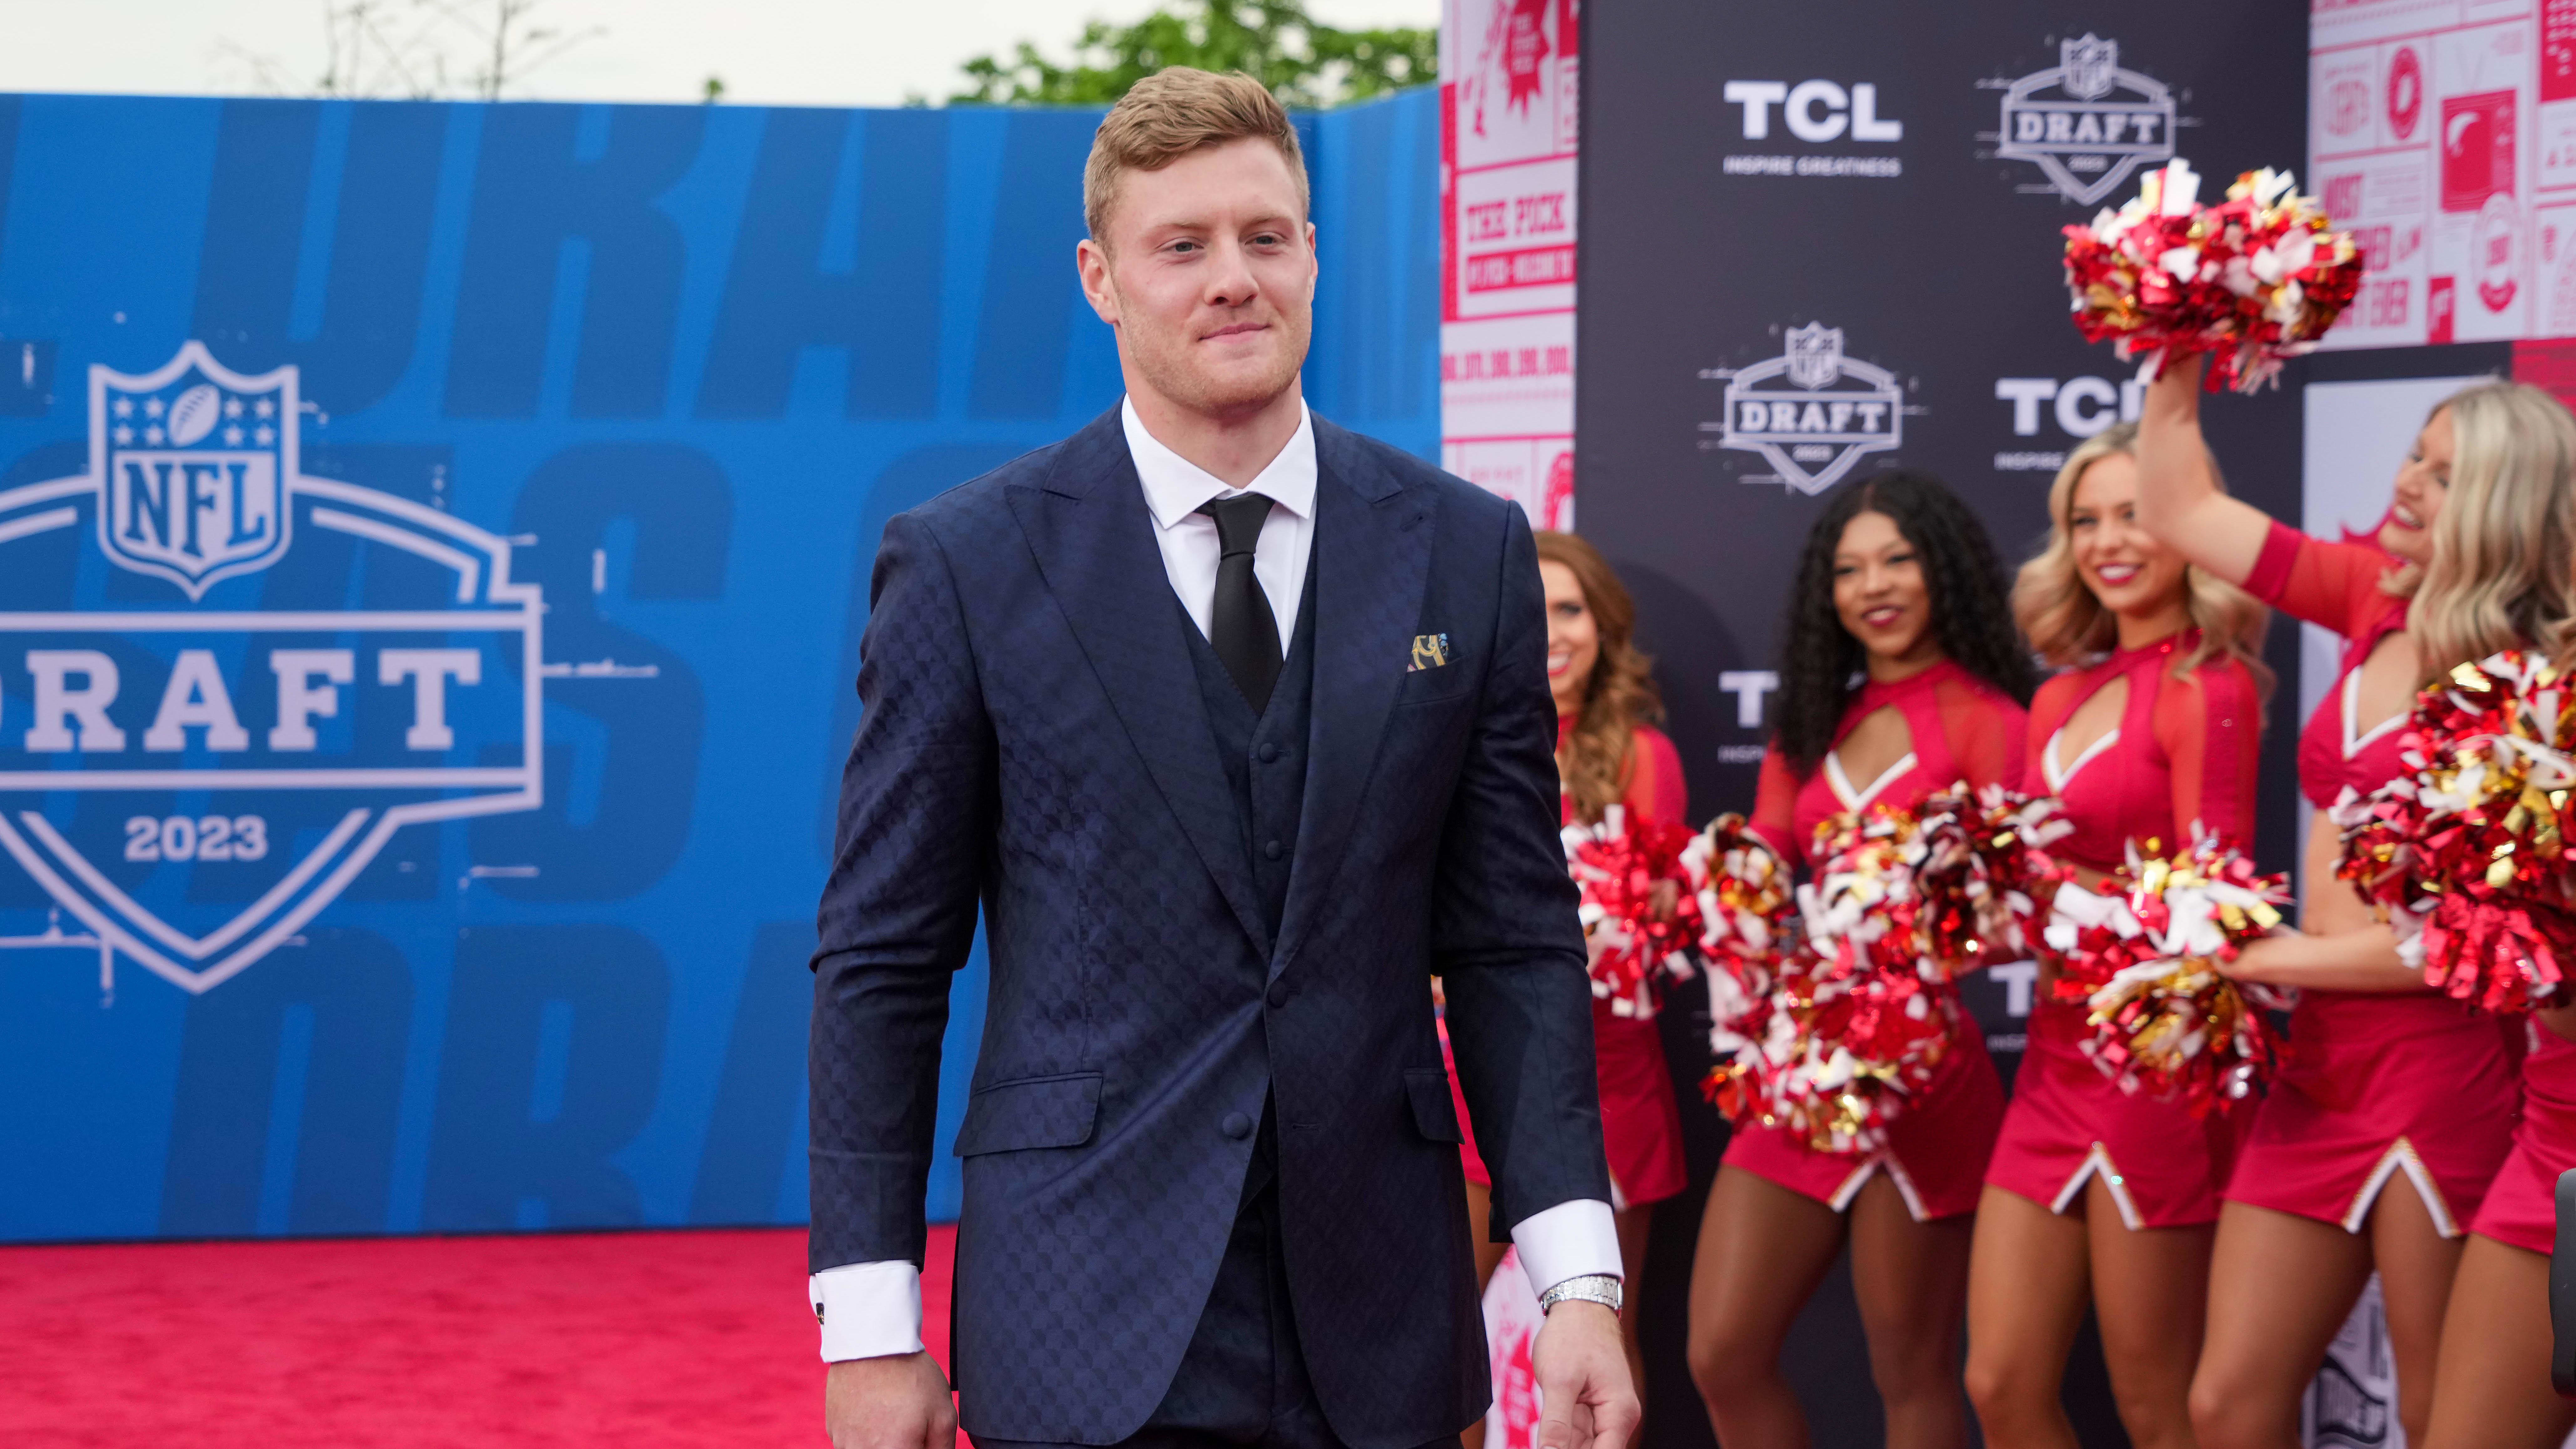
x: 1862, y: 1011
x: 1748, y: 913
x: 1619, y: 864
x: 1941, y: 887
x: 2255, y: 279
x: 1842, y: 1048
x: 2143, y: 956
x: 2466, y: 853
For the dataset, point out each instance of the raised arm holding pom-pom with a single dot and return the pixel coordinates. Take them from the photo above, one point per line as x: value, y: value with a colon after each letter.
x: 2386, y: 1126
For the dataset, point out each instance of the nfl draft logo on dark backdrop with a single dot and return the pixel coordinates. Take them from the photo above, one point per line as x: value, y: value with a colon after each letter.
x: 1811, y: 412
x: 195, y: 767
x: 2087, y: 124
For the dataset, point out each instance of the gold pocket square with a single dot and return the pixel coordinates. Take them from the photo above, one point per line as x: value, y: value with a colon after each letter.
x: 1430, y: 651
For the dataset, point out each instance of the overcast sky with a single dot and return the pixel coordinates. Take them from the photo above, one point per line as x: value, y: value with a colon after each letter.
x: 803, y: 52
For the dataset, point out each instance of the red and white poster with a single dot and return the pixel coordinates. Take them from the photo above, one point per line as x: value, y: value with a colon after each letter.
x: 1507, y: 140
x: 2444, y: 134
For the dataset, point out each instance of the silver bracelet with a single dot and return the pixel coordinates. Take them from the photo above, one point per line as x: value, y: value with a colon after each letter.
x: 1598, y: 1288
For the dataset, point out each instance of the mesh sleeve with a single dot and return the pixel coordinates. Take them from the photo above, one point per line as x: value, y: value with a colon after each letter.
x: 2332, y: 585
x: 1988, y: 735
x: 2210, y: 725
x: 1656, y: 790
x: 1775, y: 808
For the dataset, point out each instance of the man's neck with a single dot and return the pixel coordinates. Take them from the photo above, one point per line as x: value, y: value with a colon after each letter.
x: 1233, y: 448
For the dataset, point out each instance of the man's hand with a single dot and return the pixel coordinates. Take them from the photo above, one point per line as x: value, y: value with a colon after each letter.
x: 1582, y: 1368
x: 899, y: 1402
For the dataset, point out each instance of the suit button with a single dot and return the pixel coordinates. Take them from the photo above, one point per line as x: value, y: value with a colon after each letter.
x: 1279, y: 993
x: 1271, y: 850
x: 1269, y: 753
x: 1236, y: 1126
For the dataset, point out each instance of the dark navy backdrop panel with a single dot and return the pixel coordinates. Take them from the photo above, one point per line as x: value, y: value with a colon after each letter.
x: 502, y: 554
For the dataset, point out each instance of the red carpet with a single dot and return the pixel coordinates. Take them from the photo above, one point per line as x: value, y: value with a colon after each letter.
x: 638, y: 1340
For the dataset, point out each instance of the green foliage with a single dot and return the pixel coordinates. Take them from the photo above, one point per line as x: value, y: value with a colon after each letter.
x: 1303, y: 62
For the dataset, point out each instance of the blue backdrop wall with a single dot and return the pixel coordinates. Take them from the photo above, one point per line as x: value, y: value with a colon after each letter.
x: 421, y: 701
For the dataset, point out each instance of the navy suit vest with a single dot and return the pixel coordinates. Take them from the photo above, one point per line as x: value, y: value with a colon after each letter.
x: 1264, y: 756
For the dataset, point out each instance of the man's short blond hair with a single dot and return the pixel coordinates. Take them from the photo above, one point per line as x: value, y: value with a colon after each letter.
x: 1172, y: 113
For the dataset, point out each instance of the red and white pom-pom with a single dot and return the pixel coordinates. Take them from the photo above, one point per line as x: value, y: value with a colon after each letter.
x: 1843, y: 1048
x: 2253, y: 280
x: 2467, y: 853
x: 1618, y: 864
x: 1748, y: 913
x: 1862, y: 1012
x: 2142, y: 957
x: 1940, y: 888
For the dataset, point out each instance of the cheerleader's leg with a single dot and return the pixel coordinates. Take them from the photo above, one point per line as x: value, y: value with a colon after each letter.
x: 2280, y: 1286
x: 2028, y: 1277
x: 1763, y: 1248
x: 2151, y: 1297
x: 2494, y: 1390
x: 1911, y: 1279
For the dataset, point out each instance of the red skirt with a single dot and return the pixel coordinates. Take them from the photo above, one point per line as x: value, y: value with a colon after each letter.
x: 2378, y: 1084
x: 2521, y: 1207
x: 2068, y: 1122
x: 1641, y: 1127
x: 1936, y: 1152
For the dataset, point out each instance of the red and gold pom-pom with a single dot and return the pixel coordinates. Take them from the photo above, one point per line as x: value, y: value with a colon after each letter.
x: 1635, y: 938
x: 2142, y: 957
x: 2252, y: 280
x: 2467, y: 853
x: 1862, y: 1011
x: 1843, y: 1048
x: 1941, y: 887
x: 1748, y: 912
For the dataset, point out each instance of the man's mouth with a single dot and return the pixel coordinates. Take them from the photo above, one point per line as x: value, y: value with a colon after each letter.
x: 1237, y: 330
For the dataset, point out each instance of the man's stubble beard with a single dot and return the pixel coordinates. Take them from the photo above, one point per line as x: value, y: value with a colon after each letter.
x: 1163, y: 359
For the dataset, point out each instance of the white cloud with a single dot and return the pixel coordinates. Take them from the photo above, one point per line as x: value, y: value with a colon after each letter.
x: 791, y: 52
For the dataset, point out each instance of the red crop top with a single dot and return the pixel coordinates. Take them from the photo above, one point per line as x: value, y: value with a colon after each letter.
x: 2184, y: 750
x: 2336, y: 586
x: 1653, y: 789
x: 1960, y: 727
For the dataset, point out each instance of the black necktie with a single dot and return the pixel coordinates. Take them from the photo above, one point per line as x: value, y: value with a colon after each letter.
x: 1245, y: 634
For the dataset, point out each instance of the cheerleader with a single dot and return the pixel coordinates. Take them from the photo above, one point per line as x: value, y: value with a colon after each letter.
x: 1900, y: 675
x: 2152, y: 727
x: 2375, y: 1145
x: 1608, y: 752
x: 2492, y: 1389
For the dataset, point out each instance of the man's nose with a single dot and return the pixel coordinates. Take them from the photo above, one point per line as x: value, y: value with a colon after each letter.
x: 1229, y: 278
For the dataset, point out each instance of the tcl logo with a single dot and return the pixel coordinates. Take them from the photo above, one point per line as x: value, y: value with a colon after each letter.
x: 2084, y: 405
x: 1816, y: 110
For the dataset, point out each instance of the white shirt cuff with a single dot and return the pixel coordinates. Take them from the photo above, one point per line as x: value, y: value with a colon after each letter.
x: 869, y: 1310
x: 1570, y: 1240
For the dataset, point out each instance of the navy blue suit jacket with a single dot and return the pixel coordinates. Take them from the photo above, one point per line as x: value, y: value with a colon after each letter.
x: 1034, y: 744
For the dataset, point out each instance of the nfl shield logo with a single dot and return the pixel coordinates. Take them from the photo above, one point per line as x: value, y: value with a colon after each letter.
x: 2089, y: 63
x: 1815, y: 355
x: 192, y: 462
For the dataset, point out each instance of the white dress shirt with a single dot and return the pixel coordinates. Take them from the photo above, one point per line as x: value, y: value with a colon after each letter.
x: 869, y: 1310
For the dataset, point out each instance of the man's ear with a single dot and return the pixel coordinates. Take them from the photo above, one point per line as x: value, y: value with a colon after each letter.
x: 1314, y: 259
x: 1091, y: 263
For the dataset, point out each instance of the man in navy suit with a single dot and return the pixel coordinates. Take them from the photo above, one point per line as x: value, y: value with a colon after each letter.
x: 1235, y: 727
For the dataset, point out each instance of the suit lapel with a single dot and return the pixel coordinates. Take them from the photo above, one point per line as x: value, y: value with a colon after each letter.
x: 1372, y: 560
x: 1094, y: 541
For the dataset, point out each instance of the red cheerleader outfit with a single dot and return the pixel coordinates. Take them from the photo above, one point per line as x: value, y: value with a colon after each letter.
x: 2521, y: 1206
x: 1961, y: 728
x: 1641, y: 1126
x: 2374, y: 1083
x: 2183, y: 751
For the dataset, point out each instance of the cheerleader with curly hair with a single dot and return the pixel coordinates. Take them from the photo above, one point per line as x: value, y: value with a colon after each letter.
x: 1900, y: 675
